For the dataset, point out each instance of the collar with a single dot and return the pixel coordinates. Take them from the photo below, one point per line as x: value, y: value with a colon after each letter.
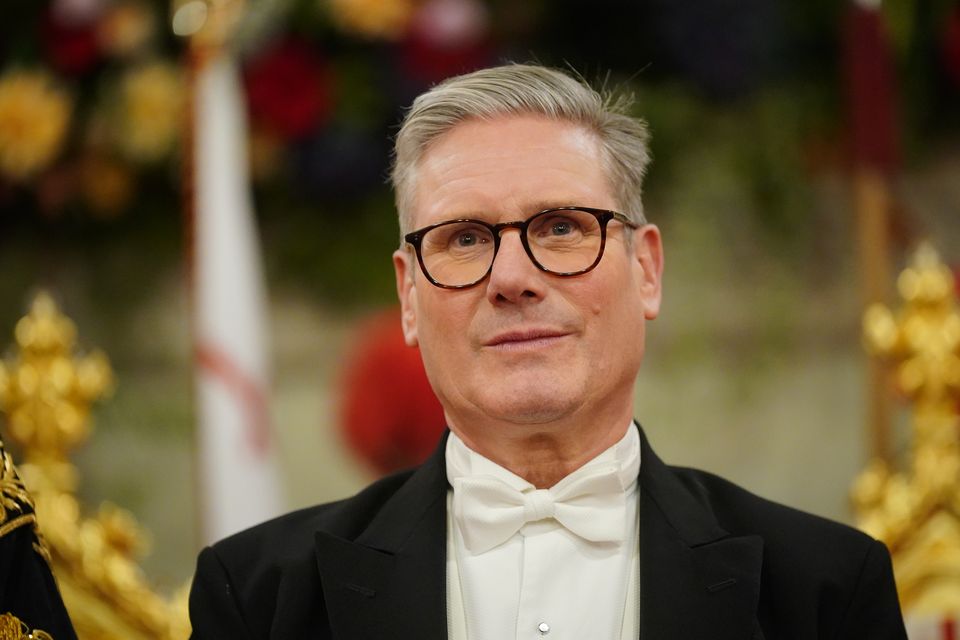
x: 462, y: 461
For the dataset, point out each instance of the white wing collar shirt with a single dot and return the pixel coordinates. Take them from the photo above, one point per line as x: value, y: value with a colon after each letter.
x: 554, y: 564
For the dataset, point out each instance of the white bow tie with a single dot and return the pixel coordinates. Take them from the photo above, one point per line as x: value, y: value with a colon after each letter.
x: 590, y: 503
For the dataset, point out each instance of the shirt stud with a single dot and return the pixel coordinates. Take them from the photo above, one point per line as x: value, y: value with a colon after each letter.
x: 543, y: 628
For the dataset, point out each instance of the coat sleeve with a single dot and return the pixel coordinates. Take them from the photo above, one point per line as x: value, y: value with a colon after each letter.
x: 28, y: 590
x: 215, y: 613
x: 874, y: 610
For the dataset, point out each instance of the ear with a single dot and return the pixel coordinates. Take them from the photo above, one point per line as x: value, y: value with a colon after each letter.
x: 404, y: 268
x: 648, y: 253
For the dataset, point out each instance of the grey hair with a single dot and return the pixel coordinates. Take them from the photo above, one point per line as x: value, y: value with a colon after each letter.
x: 520, y: 89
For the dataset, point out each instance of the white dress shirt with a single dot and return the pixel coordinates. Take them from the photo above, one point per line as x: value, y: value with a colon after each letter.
x: 544, y: 582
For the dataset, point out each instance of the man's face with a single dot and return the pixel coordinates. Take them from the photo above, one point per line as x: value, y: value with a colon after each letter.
x: 525, y: 346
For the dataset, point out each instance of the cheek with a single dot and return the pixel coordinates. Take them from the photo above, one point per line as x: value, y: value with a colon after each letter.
x: 443, y: 323
x: 597, y: 303
x: 617, y: 320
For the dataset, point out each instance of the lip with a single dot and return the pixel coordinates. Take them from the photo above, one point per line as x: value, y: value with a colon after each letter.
x: 525, y: 339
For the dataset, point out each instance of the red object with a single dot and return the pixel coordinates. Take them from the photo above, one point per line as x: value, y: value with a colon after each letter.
x: 446, y: 38
x: 871, y: 90
x: 71, y: 49
x: 389, y: 413
x: 951, y: 45
x: 289, y: 89
x: 430, y: 64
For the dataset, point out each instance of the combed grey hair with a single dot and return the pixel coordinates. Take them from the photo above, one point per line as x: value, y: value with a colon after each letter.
x: 522, y: 89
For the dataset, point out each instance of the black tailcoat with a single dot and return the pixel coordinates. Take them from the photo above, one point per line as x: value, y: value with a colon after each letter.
x: 716, y: 563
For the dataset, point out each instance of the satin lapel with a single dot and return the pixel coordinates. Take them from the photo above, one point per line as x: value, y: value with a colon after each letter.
x: 696, y: 581
x: 391, y: 581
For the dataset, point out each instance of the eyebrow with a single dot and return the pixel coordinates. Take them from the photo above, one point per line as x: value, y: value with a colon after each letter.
x: 541, y: 205
x: 536, y: 207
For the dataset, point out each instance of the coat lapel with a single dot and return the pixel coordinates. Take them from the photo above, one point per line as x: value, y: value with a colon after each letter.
x: 391, y: 581
x: 696, y: 581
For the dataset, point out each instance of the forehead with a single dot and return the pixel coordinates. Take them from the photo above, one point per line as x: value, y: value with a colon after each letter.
x: 508, y: 167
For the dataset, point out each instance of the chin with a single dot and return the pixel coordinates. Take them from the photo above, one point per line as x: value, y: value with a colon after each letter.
x: 534, y: 403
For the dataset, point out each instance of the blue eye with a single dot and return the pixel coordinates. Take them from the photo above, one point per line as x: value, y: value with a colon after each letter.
x: 467, y: 239
x: 561, y: 228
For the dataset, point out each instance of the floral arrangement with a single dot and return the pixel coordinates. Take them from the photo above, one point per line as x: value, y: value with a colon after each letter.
x: 93, y: 95
x: 99, y: 100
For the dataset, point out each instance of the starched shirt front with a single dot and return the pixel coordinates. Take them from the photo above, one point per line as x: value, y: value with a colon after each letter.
x: 544, y: 581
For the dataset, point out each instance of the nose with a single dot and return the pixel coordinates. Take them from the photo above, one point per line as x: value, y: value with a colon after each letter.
x: 514, y: 277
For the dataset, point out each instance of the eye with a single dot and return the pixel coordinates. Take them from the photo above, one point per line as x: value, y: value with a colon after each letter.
x: 467, y: 238
x: 459, y: 238
x: 561, y: 227
x: 557, y: 227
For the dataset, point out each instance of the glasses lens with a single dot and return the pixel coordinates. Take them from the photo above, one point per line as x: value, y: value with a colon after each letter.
x: 565, y: 241
x: 457, y: 253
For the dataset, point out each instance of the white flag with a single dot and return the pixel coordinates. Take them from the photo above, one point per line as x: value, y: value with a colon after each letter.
x: 238, y: 476
x: 931, y: 627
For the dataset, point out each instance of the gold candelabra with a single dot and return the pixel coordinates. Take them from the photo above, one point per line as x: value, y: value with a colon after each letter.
x: 916, y: 511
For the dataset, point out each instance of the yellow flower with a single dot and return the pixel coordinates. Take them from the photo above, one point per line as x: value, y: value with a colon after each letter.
x: 386, y: 19
x: 127, y: 28
x: 34, y: 117
x: 152, y: 99
x: 107, y: 186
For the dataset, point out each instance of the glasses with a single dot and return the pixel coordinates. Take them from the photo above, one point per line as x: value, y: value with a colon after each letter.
x: 564, y: 241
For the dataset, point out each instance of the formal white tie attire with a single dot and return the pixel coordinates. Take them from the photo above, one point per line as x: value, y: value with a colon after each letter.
x: 559, y: 563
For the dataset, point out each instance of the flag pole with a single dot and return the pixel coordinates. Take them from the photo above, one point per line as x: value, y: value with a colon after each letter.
x: 188, y: 209
x: 872, y: 200
x: 871, y: 118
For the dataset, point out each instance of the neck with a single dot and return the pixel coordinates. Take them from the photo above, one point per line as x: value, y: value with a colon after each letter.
x: 544, y: 454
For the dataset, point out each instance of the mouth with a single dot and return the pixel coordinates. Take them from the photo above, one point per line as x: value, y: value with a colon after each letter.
x: 525, y: 339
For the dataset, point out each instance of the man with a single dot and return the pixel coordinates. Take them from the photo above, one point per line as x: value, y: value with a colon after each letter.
x: 526, y: 276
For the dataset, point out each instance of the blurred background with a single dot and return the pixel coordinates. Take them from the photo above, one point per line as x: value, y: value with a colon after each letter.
x: 770, y: 121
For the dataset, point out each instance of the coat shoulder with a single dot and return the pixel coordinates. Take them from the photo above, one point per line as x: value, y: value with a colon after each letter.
x: 810, y: 564
x: 263, y: 581
x: 742, y: 512
x: 294, y: 532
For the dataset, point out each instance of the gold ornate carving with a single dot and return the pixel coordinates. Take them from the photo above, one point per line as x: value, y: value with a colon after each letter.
x: 16, y: 505
x: 46, y: 392
x: 916, y: 512
x: 12, y: 628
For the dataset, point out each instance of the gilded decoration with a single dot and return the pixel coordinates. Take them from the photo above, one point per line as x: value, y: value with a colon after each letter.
x: 916, y: 511
x: 46, y: 392
x: 12, y: 628
x: 16, y: 506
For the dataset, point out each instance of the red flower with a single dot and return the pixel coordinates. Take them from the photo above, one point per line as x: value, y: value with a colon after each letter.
x: 951, y: 45
x: 447, y: 38
x: 389, y: 413
x: 288, y: 87
x: 430, y: 64
x: 71, y: 48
